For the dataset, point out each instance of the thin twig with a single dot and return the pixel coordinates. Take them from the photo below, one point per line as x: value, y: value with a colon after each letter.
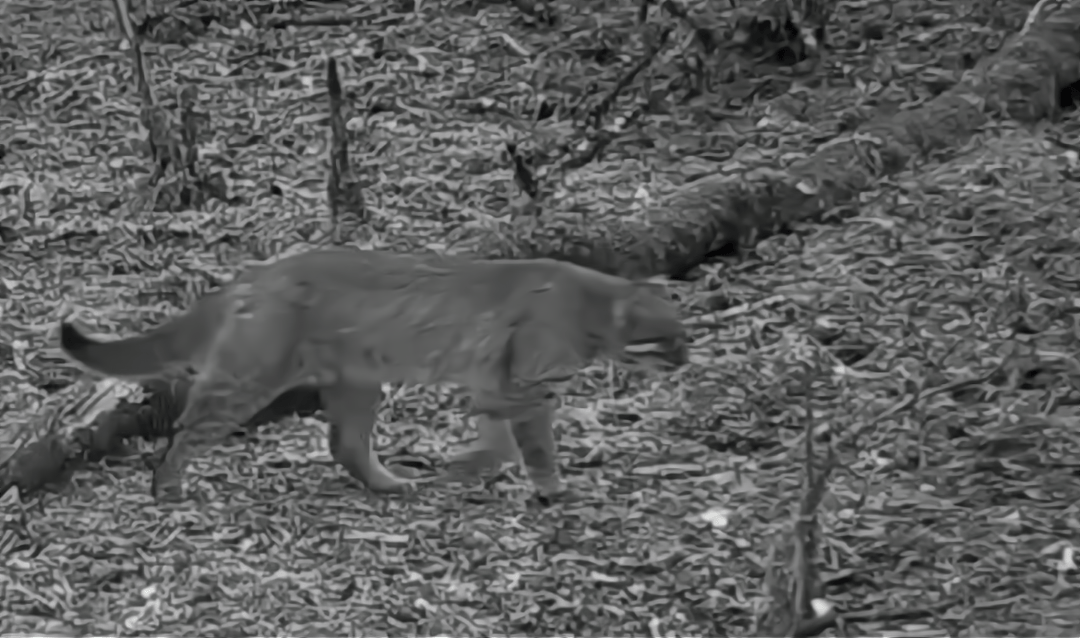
x: 164, y: 149
x: 523, y: 176
x: 598, y: 144
x: 601, y: 109
x: 643, y: 11
x: 342, y: 191
x: 704, y: 36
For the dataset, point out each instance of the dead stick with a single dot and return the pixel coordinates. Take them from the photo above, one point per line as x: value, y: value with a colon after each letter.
x: 602, y: 108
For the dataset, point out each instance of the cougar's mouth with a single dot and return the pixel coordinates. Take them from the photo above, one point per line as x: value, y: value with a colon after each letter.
x: 656, y: 354
x: 644, y: 348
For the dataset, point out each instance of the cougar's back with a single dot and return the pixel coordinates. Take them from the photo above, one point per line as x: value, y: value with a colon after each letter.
x: 416, y: 318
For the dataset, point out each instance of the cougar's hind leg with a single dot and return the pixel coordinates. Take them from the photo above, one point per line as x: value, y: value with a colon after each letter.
x: 494, y: 445
x: 217, y: 404
x: 534, y: 430
x: 351, y: 409
x: 518, y: 430
x: 252, y: 361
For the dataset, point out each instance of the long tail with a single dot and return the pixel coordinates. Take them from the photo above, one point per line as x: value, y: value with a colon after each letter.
x: 174, y: 344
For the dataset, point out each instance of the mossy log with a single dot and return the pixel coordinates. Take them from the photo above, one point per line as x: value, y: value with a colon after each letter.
x: 1022, y: 81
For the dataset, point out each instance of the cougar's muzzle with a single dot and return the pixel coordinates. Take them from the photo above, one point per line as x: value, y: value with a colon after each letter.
x: 663, y: 355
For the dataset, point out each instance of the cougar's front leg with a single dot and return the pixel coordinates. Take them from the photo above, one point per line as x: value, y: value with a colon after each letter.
x: 352, y: 409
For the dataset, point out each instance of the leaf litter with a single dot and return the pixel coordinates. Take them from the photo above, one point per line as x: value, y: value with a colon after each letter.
x: 931, y: 334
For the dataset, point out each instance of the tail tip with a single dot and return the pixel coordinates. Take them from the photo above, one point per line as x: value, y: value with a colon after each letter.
x: 72, y: 339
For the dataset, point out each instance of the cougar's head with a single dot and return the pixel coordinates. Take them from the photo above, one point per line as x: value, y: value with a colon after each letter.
x: 651, y: 333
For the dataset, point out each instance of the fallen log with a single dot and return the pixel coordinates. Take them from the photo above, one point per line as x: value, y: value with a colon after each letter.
x: 49, y: 462
x: 747, y: 202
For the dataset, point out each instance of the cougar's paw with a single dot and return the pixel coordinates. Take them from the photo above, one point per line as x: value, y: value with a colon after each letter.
x: 405, y: 471
x: 471, y: 464
x: 166, y: 489
x: 414, y: 475
x: 564, y: 496
x: 395, y: 486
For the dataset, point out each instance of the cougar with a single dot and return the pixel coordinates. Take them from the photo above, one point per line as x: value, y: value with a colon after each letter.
x: 346, y: 321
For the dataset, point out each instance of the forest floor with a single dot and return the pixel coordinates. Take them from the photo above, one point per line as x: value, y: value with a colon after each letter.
x: 934, y: 319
